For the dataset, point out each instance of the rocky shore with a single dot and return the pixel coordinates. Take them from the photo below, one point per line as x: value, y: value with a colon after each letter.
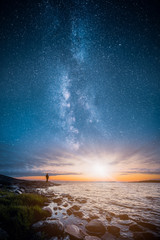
x: 66, y: 220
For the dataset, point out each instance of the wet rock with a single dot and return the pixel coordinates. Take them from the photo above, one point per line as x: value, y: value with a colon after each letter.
x: 114, y: 230
x: 50, y: 227
x: 69, y: 212
x: 93, y: 216
x: 75, y: 207
x: 123, y: 217
x: 68, y: 196
x: 74, y: 231
x: 55, y: 208
x: 3, y: 234
x: 81, y: 200
x: 48, y: 209
x: 18, y: 191
x: 74, y: 210
x: 57, y: 200
x: 65, y: 205
x: 78, y: 214
x: 135, y: 228
x: 109, y: 236
x: 91, y: 238
x: 95, y: 227
x: 125, y: 222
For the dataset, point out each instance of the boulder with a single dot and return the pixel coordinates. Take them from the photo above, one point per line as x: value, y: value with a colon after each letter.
x: 74, y: 231
x: 50, y: 227
x: 114, y: 230
x: 96, y: 227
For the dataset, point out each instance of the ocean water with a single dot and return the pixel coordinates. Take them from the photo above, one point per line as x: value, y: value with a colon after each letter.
x: 140, y: 201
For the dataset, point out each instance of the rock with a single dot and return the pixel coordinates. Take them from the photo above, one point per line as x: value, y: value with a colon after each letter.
x: 55, y: 208
x: 114, y: 230
x: 109, y: 236
x: 18, y: 191
x: 96, y: 227
x: 69, y: 212
x: 93, y: 216
x: 65, y: 205
x: 75, y: 207
x: 111, y: 214
x: 37, y: 225
x: 74, y: 231
x: 125, y: 222
x: 3, y: 234
x: 91, y: 238
x: 108, y: 218
x: 74, y: 210
x: 57, y: 200
x: 48, y: 209
x: 81, y: 200
x: 54, y: 238
x: 50, y: 227
x: 78, y: 214
x: 135, y: 228
x: 67, y: 196
x: 123, y: 217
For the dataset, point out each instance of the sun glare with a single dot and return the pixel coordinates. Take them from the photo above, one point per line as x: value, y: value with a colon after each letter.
x: 99, y: 170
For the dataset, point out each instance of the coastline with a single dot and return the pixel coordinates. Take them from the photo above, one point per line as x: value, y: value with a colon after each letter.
x: 66, y: 220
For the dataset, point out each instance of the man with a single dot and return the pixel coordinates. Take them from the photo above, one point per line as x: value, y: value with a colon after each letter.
x: 47, y: 177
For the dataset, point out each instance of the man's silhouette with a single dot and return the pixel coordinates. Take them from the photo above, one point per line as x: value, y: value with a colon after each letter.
x: 47, y: 177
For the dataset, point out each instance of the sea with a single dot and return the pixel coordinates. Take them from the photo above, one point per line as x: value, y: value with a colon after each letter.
x: 109, y: 201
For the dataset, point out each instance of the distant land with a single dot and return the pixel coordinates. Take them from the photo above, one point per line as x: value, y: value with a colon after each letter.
x: 148, y: 181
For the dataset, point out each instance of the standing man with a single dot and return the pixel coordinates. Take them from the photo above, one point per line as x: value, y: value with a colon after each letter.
x: 47, y: 177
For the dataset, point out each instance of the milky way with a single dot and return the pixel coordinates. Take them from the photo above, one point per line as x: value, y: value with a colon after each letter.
x: 79, y: 77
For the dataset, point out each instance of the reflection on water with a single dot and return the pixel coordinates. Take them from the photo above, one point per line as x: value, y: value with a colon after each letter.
x: 140, y: 201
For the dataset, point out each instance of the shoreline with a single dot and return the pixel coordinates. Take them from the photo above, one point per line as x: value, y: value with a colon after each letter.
x: 66, y: 220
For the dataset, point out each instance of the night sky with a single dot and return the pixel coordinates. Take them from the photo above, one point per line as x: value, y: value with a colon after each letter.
x: 80, y: 84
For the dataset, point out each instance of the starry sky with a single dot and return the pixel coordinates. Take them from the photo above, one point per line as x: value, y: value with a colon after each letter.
x: 80, y: 85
